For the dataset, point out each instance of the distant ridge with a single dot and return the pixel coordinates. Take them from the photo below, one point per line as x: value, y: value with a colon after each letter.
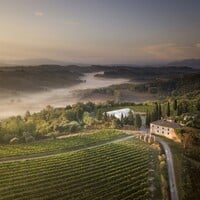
x: 36, y: 61
x: 194, y: 63
x: 39, y: 61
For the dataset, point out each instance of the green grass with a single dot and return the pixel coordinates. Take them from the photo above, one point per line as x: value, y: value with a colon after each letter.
x: 114, y: 171
x: 142, y: 108
x: 69, y: 143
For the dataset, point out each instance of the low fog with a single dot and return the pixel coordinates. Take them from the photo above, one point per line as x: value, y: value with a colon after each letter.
x: 12, y: 103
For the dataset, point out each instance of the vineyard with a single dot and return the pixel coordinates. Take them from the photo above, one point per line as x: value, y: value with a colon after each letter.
x: 70, y: 143
x: 113, y: 171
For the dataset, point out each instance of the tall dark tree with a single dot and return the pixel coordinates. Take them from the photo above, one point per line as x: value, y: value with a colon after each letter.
x: 105, y: 117
x: 156, y: 111
x: 185, y: 107
x: 168, y: 109
x: 147, y: 118
x: 153, y: 116
x: 159, y: 111
x: 175, y: 104
x: 138, y: 121
x: 125, y: 120
x: 130, y: 118
x: 179, y: 109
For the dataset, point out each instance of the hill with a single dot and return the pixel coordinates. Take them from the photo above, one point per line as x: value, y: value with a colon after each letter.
x: 37, y: 78
x: 194, y: 63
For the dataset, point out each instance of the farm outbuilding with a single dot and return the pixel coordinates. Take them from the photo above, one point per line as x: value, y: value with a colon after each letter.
x: 119, y: 113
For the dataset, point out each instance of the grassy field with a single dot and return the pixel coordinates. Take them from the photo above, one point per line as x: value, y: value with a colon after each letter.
x: 142, y: 108
x: 69, y: 143
x: 114, y: 171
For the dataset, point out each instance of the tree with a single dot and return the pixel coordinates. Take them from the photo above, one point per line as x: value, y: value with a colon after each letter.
x: 99, y: 114
x: 27, y: 115
x: 156, y: 111
x: 138, y: 121
x: 105, y: 116
x: 78, y: 110
x: 179, y: 109
x: 159, y: 111
x: 124, y: 120
x: 147, y: 118
x: 168, y: 109
x: 175, y: 104
x: 115, y: 123
x: 89, y: 107
x: 87, y: 119
x: 198, y: 105
x: 153, y: 116
x: 185, y: 106
x: 70, y: 115
x: 130, y: 118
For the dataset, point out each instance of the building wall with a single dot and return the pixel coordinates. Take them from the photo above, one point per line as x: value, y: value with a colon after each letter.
x: 161, y: 130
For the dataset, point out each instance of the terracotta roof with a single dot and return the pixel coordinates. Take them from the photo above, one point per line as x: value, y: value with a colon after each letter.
x: 166, y: 124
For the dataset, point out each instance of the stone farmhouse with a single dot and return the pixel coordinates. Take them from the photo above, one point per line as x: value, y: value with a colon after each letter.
x: 164, y: 128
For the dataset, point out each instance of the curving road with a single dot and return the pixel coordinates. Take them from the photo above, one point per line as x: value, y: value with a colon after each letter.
x: 49, y: 154
x: 170, y: 167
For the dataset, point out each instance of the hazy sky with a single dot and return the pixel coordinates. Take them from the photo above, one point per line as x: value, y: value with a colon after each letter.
x: 100, y: 31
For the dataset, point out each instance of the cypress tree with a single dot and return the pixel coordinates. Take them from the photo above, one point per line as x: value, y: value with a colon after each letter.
x: 179, y: 110
x: 156, y: 111
x: 175, y: 104
x: 153, y: 115
x: 138, y: 121
x: 159, y: 111
x: 105, y: 116
x: 147, y: 118
x: 168, y: 109
x: 130, y: 118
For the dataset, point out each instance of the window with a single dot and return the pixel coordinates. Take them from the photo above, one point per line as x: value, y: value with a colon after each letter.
x: 162, y: 132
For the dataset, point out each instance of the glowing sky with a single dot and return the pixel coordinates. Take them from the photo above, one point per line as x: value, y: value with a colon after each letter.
x: 100, y: 31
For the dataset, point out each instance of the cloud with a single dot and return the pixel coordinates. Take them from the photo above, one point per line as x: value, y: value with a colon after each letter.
x: 171, y: 51
x: 39, y: 14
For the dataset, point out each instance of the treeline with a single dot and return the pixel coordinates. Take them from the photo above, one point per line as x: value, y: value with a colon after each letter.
x: 184, y: 85
x: 52, y: 122
x: 187, y: 85
x: 37, y: 78
x: 185, y: 112
x: 145, y: 73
